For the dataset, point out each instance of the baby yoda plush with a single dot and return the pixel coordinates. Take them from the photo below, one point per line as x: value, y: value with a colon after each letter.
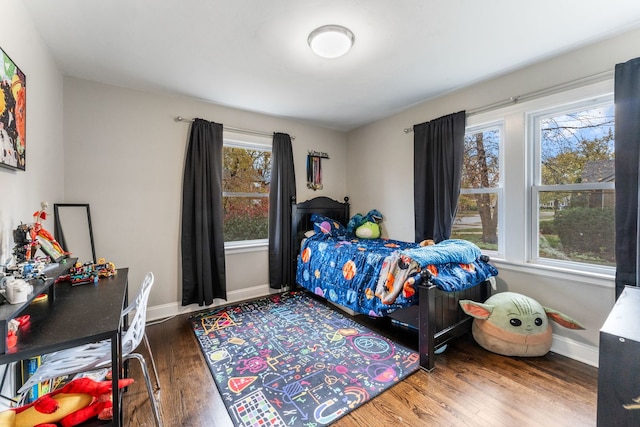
x: 512, y: 324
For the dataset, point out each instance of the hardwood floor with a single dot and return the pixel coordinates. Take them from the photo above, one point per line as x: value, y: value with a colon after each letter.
x: 469, y: 387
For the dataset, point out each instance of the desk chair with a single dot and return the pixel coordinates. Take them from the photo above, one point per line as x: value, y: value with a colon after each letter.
x: 98, y: 355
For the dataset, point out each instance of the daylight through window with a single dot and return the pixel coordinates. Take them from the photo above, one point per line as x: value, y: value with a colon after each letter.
x: 246, y: 183
x: 479, y: 202
x: 573, y: 191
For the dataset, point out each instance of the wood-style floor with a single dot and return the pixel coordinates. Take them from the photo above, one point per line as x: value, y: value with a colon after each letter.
x: 469, y: 387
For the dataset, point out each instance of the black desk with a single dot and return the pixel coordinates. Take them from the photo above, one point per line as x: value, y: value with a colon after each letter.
x: 78, y: 315
x: 11, y: 311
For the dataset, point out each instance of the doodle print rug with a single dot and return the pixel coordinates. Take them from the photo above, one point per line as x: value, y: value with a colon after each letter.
x: 288, y: 360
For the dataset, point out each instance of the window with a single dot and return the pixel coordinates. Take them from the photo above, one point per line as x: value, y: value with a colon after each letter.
x: 479, y: 203
x: 246, y: 182
x: 573, y: 192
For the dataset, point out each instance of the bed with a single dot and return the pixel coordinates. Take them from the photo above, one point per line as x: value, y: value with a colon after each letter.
x: 388, y: 278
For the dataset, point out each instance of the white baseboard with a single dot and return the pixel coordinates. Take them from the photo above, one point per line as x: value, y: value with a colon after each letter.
x: 561, y: 345
x: 575, y: 350
x: 164, y: 311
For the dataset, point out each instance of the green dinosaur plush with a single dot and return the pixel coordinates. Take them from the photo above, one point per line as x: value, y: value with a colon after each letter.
x: 512, y: 324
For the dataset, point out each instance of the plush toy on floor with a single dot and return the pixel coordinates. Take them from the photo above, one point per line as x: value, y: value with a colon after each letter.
x: 78, y: 401
x: 512, y: 324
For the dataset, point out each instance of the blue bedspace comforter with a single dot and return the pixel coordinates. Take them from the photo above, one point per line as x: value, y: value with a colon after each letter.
x: 378, y: 276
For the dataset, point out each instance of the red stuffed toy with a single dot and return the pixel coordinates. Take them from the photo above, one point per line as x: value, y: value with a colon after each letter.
x: 75, y: 403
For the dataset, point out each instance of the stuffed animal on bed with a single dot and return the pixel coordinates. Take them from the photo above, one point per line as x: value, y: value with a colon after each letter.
x: 512, y: 324
x: 367, y: 226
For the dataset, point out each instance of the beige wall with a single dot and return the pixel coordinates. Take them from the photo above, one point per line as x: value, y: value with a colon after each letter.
x: 21, y: 192
x: 386, y: 183
x: 125, y: 154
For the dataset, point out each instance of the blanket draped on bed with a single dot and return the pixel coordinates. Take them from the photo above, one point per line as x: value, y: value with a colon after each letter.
x: 378, y: 276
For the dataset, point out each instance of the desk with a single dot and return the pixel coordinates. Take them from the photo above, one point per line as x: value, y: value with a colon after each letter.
x: 79, y: 315
x: 10, y: 311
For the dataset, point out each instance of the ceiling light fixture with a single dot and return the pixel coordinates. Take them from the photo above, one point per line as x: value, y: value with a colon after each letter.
x: 331, y: 41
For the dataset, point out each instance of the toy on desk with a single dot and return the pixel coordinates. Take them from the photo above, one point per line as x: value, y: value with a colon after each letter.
x: 104, y: 268
x: 23, y: 243
x: 40, y: 236
x: 89, y: 272
x: 80, y: 274
x: 31, y: 237
x: 78, y: 401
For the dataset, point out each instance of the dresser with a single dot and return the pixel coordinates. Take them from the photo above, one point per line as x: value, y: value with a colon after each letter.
x: 619, y: 363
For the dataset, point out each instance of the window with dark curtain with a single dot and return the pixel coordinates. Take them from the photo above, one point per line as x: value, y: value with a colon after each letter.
x: 283, y: 189
x: 627, y: 146
x: 203, y: 263
x: 438, y: 155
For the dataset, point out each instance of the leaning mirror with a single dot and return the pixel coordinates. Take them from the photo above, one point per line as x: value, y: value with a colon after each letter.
x: 73, y: 230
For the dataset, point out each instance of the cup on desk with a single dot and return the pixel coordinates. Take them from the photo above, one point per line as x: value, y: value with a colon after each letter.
x: 17, y: 291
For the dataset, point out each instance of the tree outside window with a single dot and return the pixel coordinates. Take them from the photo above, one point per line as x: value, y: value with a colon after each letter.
x: 246, y: 183
x: 478, y: 205
x: 575, y: 184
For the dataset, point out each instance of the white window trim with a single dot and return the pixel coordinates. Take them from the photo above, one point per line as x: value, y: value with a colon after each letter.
x: 535, y: 176
x: 517, y: 188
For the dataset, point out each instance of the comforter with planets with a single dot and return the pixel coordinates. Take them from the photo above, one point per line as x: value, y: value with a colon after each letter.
x: 378, y: 276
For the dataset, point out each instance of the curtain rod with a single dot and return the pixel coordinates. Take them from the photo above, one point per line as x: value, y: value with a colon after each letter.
x: 232, y: 129
x: 594, y: 78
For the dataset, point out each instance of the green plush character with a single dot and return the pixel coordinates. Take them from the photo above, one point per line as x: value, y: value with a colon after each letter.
x: 513, y: 324
x: 368, y: 230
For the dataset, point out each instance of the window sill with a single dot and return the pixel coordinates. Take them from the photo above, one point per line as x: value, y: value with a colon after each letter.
x: 583, y: 277
x: 238, y: 248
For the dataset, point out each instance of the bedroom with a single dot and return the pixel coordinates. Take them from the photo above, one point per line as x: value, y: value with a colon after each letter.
x: 94, y: 128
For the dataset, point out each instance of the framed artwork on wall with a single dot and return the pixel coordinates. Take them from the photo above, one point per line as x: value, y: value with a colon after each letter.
x: 13, y: 112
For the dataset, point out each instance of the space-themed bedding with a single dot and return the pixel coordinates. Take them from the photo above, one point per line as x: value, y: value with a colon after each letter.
x: 378, y: 276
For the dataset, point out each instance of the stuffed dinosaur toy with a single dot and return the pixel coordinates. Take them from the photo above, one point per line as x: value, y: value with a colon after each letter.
x: 367, y: 226
x: 512, y: 324
x: 76, y: 402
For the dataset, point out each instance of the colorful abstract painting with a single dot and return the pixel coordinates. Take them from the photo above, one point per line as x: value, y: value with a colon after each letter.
x: 289, y: 360
x: 13, y: 107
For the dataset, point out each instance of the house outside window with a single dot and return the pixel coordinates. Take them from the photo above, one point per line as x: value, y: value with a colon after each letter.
x: 573, y: 191
x: 246, y: 184
x: 480, y: 201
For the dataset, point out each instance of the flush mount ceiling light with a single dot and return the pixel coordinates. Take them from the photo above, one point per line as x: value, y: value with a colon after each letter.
x: 331, y: 41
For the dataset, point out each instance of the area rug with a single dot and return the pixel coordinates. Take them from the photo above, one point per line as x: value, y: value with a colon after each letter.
x: 289, y: 360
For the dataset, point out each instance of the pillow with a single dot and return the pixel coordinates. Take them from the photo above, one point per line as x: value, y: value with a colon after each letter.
x: 325, y: 225
x: 309, y: 233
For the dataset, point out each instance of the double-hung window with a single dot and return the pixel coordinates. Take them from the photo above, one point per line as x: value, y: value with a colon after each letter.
x: 246, y: 184
x: 573, y: 191
x: 480, y: 201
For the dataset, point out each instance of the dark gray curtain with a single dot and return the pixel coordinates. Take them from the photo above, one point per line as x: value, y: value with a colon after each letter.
x: 203, y: 266
x: 438, y: 148
x: 627, y: 147
x: 283, y: 188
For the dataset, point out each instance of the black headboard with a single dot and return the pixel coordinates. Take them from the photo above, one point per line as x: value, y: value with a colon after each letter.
x: 301, y: 217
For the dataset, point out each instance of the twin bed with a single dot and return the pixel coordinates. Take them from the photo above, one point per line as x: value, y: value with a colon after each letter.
x: 384, y: 277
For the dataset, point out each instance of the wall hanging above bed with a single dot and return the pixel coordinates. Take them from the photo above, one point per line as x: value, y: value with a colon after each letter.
x: 314, y: 169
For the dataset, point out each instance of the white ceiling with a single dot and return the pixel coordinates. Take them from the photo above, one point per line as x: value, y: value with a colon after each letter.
x: 253, y: 54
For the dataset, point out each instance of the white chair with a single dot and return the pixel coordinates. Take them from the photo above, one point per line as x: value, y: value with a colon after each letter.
x: 98, y: 355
